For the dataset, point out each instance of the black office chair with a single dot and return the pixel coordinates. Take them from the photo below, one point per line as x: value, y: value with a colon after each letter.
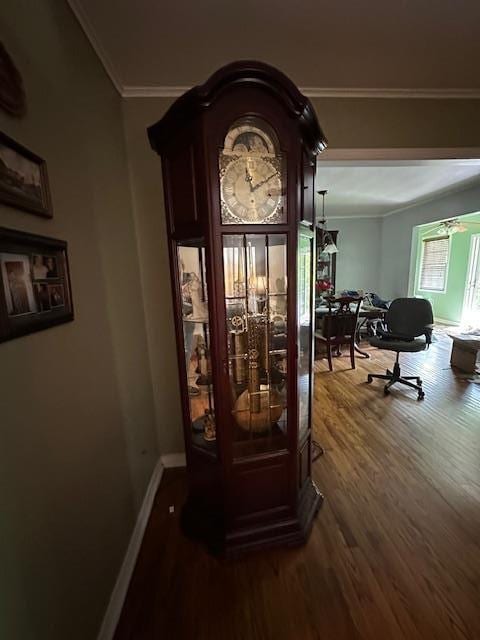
x: 407, y: 319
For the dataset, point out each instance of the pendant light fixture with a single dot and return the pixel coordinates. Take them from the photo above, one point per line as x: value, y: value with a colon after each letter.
x: 327, y: 245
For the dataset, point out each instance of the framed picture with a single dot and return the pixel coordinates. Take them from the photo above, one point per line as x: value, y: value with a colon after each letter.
x: 35, y: 291
x: 12, y: 93
x: 23, y: 178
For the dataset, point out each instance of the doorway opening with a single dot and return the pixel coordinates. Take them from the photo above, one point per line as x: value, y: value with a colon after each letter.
x: 471, y: 305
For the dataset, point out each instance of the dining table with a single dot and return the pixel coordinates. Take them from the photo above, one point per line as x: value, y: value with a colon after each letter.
x: 367, y: 313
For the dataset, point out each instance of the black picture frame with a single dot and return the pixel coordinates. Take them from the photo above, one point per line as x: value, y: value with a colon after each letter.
x: 17, y: 189
x: 35, y: 288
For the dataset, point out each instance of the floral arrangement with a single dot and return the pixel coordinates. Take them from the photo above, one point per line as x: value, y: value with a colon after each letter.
x: 323, y: 285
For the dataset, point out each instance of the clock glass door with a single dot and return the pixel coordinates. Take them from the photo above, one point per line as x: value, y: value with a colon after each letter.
x: 251, y: 175
x: 255, y: 276
x: 304, y: 328
x: 196, y: 343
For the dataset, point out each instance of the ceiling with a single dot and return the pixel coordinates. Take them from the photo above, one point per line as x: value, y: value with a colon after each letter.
x: 381, y: 188
x: 343, y: 45
x: 347, y: 47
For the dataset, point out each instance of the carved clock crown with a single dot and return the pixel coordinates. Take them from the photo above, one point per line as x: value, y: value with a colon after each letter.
x: 244, y: 72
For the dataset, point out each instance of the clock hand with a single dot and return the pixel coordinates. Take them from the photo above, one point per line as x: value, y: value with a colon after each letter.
x: 262, y: 182
x: 248, y: 178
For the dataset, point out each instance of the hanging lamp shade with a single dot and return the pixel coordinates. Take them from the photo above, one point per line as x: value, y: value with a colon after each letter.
x: 328, y: 245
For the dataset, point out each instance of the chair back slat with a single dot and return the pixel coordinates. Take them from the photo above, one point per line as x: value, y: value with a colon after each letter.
x: 341, y: 320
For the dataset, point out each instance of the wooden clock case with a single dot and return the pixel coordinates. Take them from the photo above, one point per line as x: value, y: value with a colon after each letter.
x: 258, y: 492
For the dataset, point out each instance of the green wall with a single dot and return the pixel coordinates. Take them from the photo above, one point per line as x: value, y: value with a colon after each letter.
x: 448, y: 305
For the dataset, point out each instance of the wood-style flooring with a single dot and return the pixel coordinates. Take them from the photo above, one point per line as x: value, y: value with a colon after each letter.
x: 394, y: 553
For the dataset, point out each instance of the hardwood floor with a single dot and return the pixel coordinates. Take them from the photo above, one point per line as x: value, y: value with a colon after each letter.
x: 394, y: 552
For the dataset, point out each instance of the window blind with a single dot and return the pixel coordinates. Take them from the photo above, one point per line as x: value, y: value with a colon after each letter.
x: 433, y: 274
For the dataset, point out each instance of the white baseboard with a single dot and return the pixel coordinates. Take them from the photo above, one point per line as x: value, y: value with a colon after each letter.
x: 170, y: 460
x: 114, y: 608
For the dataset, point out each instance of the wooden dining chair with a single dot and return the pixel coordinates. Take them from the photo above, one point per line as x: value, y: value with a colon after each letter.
x: 339, y: 326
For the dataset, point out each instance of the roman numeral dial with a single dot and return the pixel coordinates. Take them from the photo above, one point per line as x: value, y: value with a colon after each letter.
x: 251, y: 188
x: 251, y: 175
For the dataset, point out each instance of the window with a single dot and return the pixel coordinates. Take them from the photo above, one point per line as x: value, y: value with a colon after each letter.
x: 433, y: 271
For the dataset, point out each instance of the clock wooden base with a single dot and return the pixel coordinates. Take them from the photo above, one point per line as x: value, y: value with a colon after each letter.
x: 203, y: 523
x: 283, y: 532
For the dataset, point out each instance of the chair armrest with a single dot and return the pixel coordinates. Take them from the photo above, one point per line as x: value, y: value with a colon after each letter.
x: 393, y: 336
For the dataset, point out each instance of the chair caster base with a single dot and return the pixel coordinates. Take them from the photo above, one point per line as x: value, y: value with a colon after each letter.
x: 394, y: 377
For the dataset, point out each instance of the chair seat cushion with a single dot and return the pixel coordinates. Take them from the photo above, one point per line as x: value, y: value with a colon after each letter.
x: 419, y: 344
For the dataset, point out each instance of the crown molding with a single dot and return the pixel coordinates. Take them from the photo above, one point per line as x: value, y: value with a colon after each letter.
x: 418, y: 203
x: 378, y: 216
x: 473, y: 183
x: 153, y: 91
x: 438, y: 197
x: 88, y: 29
x: 373, y: 92
x: 377, y: 156
x: 169, y: 91
x: 159, y: 91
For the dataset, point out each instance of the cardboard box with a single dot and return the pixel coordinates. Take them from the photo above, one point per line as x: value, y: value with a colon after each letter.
x: 465, y: 353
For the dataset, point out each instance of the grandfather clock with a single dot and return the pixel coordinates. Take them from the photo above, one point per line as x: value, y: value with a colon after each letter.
x: 238, y: 157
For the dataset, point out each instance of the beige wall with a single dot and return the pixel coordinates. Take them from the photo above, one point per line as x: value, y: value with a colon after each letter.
x: 146, y: 178
x: 398, y: 123
x: 78, y: 442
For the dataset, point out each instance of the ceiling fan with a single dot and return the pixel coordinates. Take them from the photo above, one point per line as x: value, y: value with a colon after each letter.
x: 449, y: 227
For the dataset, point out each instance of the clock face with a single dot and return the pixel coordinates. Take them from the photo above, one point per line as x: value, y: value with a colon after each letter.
x: 251, y: 187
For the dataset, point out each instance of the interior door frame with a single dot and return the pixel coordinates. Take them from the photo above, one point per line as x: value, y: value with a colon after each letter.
x: 399, y: 156
x: 472, y: 270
